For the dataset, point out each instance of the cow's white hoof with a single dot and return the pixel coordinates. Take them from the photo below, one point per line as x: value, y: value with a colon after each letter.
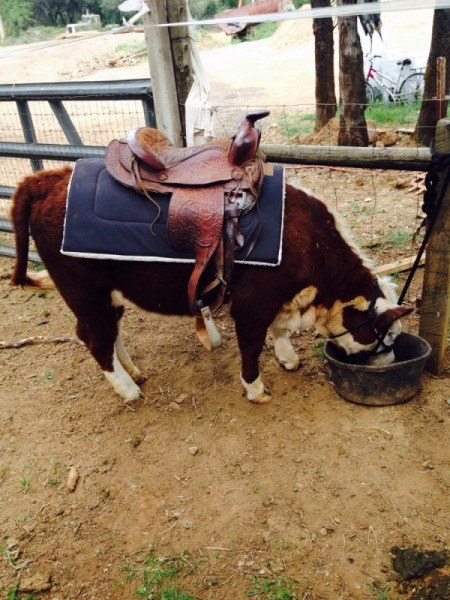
x: 132, y: 394
x: 256, y: 392
x: 263, y: 398
x: 123, y: 384
x: 290, y: 365
x: 137, y: 376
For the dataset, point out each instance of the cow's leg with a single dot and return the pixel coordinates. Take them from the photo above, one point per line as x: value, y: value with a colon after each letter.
x: 284, y: 351
x: 251, y: 340
x: 124, y: 357
x: 98, y: 329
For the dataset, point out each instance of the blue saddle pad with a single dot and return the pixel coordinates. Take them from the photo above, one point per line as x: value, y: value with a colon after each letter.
x: 105, y: 219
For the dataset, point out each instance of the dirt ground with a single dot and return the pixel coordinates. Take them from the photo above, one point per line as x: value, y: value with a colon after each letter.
x: 308, y: 497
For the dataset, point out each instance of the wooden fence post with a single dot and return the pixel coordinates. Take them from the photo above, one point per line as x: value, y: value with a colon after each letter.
x: 164, y: 89
x: 435, y: 304
x: 180, y: 42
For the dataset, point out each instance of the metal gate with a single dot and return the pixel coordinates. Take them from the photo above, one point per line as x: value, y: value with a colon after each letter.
x: 55, y: 94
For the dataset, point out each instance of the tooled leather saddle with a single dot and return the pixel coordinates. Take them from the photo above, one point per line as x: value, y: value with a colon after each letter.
x: 211, y: 186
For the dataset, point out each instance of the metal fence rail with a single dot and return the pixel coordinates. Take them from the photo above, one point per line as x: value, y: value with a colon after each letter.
x: 23, y: 95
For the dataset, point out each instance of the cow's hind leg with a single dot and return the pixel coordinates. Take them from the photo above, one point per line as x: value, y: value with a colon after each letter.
x: 98, y: 328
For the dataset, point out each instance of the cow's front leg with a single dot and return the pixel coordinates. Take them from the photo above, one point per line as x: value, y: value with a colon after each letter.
x: 121, y: 381
x: 125, y: 359
x: 284, y: 351
x: 251, y: 341
x: 99, y: 332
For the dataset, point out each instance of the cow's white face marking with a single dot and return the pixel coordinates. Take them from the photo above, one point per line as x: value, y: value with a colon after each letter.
x: 330, y: 323
x: 381, y: 360
x: 121, y: 381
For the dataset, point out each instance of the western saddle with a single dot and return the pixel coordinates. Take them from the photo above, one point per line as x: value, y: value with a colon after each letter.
x: 211, y: 186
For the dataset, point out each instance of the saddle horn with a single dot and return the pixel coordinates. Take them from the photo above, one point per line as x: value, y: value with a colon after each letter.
x: 246, y: 140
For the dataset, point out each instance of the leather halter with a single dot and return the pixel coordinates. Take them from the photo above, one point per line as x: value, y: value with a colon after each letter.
x: 364, y: 355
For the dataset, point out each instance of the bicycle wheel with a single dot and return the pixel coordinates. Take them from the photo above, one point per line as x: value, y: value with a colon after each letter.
x: 411, y: 89
x: 370, y: 94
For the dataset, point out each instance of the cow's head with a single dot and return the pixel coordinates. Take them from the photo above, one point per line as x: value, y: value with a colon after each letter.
x: 363, y: 331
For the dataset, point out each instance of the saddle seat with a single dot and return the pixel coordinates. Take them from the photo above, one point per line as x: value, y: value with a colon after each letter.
x: 157, y: 151
x: 211, y: 186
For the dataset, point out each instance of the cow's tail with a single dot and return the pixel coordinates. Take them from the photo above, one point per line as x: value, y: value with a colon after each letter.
x: 20, y: 217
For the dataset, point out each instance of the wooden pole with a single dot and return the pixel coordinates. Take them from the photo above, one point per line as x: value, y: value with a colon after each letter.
x: 180, y: 42
x: 435, y: 304
x: 409, y: 159
x: 162, y: 76
x: 441, y: 78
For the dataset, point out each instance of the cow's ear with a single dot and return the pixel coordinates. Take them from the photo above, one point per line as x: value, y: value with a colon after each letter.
x: 385, y: 319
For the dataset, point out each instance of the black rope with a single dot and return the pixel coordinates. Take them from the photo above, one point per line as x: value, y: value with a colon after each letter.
x: 431, y: 207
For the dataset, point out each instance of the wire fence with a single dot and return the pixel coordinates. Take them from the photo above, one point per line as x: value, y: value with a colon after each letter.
x: 382, y: 208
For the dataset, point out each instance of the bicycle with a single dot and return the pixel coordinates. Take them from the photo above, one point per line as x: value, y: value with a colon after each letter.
x: 406, y: 90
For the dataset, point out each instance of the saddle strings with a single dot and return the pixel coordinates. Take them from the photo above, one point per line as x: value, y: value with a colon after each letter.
x: 139, y: 187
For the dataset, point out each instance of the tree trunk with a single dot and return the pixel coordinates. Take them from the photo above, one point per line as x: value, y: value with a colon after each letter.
x: 324, y: 57
x: 440, y: 46
x: 352, y: 126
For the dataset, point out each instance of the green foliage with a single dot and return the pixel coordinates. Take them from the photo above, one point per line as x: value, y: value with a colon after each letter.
x: 206, y: 9
x: 34, y: 34
x: 297, y: 124
x: 276, y: 588
x: 259, y: 32
x: 157, y: 574
x: 381, y: 592
x: 20, y: 15
x: 318, y: 348
x: 393, y: 113
x: 15, y: 594
x: 173, y: 594
x: 398, y: 238
x: 124, y: 48
x: 16, y: 15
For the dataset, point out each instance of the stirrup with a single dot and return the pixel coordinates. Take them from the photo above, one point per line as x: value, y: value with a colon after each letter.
x: 207, y: 331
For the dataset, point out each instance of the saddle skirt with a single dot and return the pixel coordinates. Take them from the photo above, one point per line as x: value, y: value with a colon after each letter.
x: 106, y: 220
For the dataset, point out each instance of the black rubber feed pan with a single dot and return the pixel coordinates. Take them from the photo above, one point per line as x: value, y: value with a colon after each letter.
x: 381, y: 386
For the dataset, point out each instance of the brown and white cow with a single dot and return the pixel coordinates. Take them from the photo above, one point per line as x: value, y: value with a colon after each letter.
x: 322, y: 282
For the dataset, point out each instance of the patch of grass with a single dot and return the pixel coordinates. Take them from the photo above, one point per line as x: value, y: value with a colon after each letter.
x: 393, y: 114
x: 25, y: 485
x: 124, y: 48
x: 362, y: 210
x: 38, y: 266
x: 381, y: 592
x: 298, y: 124
x: 397, y: 238
x: 173, y: 594
x: 48, y: 376
x: 157, y: 576
x: 274, y: 588
x: 33, y: 34
x: 318, y: 348
x: 57, y: 471
x: 260, y: 32
x: 15, y: 594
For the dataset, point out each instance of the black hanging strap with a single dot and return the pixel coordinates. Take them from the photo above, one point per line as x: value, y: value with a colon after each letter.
x: 431, y: 207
